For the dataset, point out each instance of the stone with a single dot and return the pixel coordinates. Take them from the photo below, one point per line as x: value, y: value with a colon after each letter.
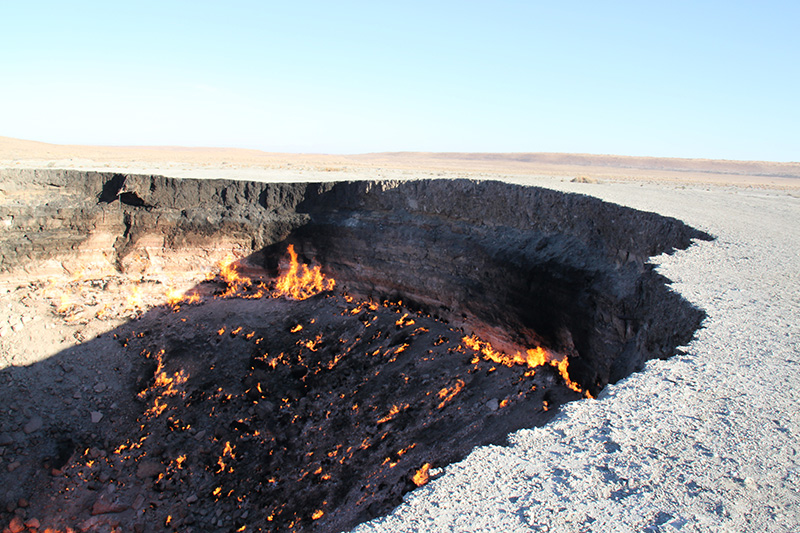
x: 6, y: 439
x: 33, y: 425
x: 92, y: 523
x: 493, y: 404
x: 33, y: 523
x: 97, y: 416
x: 13, y: 466
x: 148, y: 468
x: 16, y: 525
x: 22, y: 502
x: 138, y: 502
x: 104, y: 506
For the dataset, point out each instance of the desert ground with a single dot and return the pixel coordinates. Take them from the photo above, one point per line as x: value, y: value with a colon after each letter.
x: 708, y: 440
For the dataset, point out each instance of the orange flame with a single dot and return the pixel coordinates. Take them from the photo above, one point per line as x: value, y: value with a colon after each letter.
x: 299, y: 286
x: 403, y: 322
x: 317, y: 514
x: 447, y: 394
x: 533, y: 357
x: 395, y: 409
x: 134, y: 298
x: 422, y: 476
x: 174, y: 296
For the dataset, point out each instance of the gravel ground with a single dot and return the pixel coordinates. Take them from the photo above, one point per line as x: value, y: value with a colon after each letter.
x: 706, y: 441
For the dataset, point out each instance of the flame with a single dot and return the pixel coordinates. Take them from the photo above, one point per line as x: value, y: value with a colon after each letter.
x: 228, y: 450
x: 533, y: 357
x: 422, y: 476
x: 295, y: 329
x: 403, y: 322
x: 227, y: 271
x: 174, y: 296
x: 447, y: 394
x: 317, y: 514
x: 395, y: 409
x: 299, y: 286
x: 311, y: 344
x: 134, y: 298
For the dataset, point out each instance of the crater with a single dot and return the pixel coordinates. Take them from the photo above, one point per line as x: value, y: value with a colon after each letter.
x: 436, y: 316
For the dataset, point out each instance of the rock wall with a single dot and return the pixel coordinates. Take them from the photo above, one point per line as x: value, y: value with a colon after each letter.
x: 518, y: 265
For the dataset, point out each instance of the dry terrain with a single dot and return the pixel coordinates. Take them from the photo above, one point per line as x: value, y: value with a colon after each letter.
x: 708, y: 440
x: 254, y: 164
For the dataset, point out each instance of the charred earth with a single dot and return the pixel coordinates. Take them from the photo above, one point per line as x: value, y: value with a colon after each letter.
x: 428, y: 317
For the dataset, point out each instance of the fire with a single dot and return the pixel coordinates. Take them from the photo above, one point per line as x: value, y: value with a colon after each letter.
x: 228, y: 273
x: 174, y: 296
x: 317, y: 514
x: 422, y: 476
x: 403, y: 322
x: 533, y: 357
x: 448, y: 393
x: 298, y: 282
x: 393, y: 411
x: 301, y: 285
x: 228, y: 450
x: 135, y: 298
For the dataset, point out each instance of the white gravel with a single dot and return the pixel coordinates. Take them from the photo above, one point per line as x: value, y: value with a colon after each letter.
x: 706, y: 441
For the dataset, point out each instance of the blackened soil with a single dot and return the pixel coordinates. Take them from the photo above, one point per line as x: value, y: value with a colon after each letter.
x: 278, y: 415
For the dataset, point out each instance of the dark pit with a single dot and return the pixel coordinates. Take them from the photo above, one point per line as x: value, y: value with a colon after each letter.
x: 316, y: 415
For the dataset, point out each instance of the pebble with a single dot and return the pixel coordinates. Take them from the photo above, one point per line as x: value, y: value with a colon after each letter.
x: 13, y: 466
x: 6, y: 439
x: 33, y: 523
x: 100, y: 387
x: 138, y: 502
x: 16, y: 525
x: 103, y: 506
x: 493, y: 404
x: 97, y: 416
x: 148, y: 468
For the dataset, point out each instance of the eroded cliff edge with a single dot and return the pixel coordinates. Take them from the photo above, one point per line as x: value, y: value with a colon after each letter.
x: 518, y: 265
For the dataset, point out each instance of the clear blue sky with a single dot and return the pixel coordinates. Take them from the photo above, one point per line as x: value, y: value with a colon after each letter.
x: 683, y: 79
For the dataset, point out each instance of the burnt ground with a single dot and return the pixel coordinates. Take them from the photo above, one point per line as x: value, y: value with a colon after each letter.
x: 271, y: 415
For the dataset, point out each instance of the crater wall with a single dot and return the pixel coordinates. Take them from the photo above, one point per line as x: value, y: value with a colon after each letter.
x: 518, y: 265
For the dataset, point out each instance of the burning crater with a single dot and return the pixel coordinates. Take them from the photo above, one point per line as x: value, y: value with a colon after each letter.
x: 317, y: 350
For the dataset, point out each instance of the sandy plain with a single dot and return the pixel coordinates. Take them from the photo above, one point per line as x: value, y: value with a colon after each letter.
x: 708, y: 440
